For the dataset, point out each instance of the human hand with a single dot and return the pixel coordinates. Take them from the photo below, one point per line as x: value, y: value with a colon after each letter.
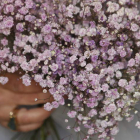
x: 13, y: 94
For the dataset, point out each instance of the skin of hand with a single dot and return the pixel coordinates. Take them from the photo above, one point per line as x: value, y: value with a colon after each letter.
x: 13, y: 94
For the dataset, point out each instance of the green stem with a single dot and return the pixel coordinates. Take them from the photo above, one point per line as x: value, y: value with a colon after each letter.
x: 33, y: 137
x: 42, y: 131
x: 51, y: 121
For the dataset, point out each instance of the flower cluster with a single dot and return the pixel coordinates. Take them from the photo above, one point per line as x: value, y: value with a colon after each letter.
x: 87, y: 50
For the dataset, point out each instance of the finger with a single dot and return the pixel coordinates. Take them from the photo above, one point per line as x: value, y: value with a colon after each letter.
x: 24, y: 128
x: 29, y: 127
x: 8, y: 97
x: 15, y: 84
x: 31, y: 116
x: 5, y: 112
x: 25, y: 116
x: 33, y: 99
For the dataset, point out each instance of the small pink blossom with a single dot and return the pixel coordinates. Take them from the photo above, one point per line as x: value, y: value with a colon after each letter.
x: 134, y: 27
x: 97, y: 6
x: 23, y: 10
x: 118, y: 74
x: 73, y: 58
x: 77, y: 129
x: 57, y: 97
x: 4, y: 42
x: 3, y: 80
x: 20, y: 27
x: 92, y: 113
x: 82, y: 32
x: 48, y: 106
x: 26, y: 80
x: 9, y: 23
x: 9, y: 8
x: 54, y: 67
x: 89, y: 67
x: 63, y: 81
x: 72, y: 114
x: 122, y: 82
x: 46, y: 29
x: 45, y: 69
x: 131, y: 62
x: 138, y: 124
x: 110, y: 108
x: 91, y: 131
x: 114, y: 130
x: 50, y: 83
x: 38, y: 78
x: 55, y: 104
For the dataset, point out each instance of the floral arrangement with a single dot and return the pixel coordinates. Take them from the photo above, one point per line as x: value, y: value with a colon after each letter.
x: 86, y: 50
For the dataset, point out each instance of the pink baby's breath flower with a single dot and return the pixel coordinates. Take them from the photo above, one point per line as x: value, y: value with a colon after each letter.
x: 26, y: 80
x: 73, y: 58
x: 104, y: 43
x: 38, y: 78
x: 68, y: 127
x: 62, y: 101
x: 45, y: 69
x: 63, y: 81
x: 55, y: 104
x: 92, y: 113
x: 57, y: 97
x: 131, y: 62
x: 48, y: 39
x: 43, y: 17
x: 20, y: 27
x: 50, y: 83
x: 115, y: 130
x: 29, y: 18
x: 122, y: 53
x: 80, y: 117
x: 23, y: 11
x: 9, y: 22
x: 129, y: 119
x: 9, y: 8
x: 118, y: 74
x: 120, y: 103
x: 105, y: 87
x: 72, y: 114
x: 97, y: 6
x: 46, y: 29
x: 112, y: 7
x: 111, y: 108
x: 89, y: 67
x: 48, y: 106
x: 29, y: 3
x: 122, y: 82
x: 25, y: 66
x: 54, y: 67
x: 134, y: 27
x: 3, y: 80
x: 138, y: 124
x: 85, y: 50
x: 4, y: 53
x: 4, y: 42
x: 91, y: 131
x: 43, y: 83
x: 104, y: 123
x: 82, y: 32
x: 77, y: 129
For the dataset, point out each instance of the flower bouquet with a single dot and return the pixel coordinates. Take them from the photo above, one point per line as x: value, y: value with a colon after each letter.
x: 85, y: 50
